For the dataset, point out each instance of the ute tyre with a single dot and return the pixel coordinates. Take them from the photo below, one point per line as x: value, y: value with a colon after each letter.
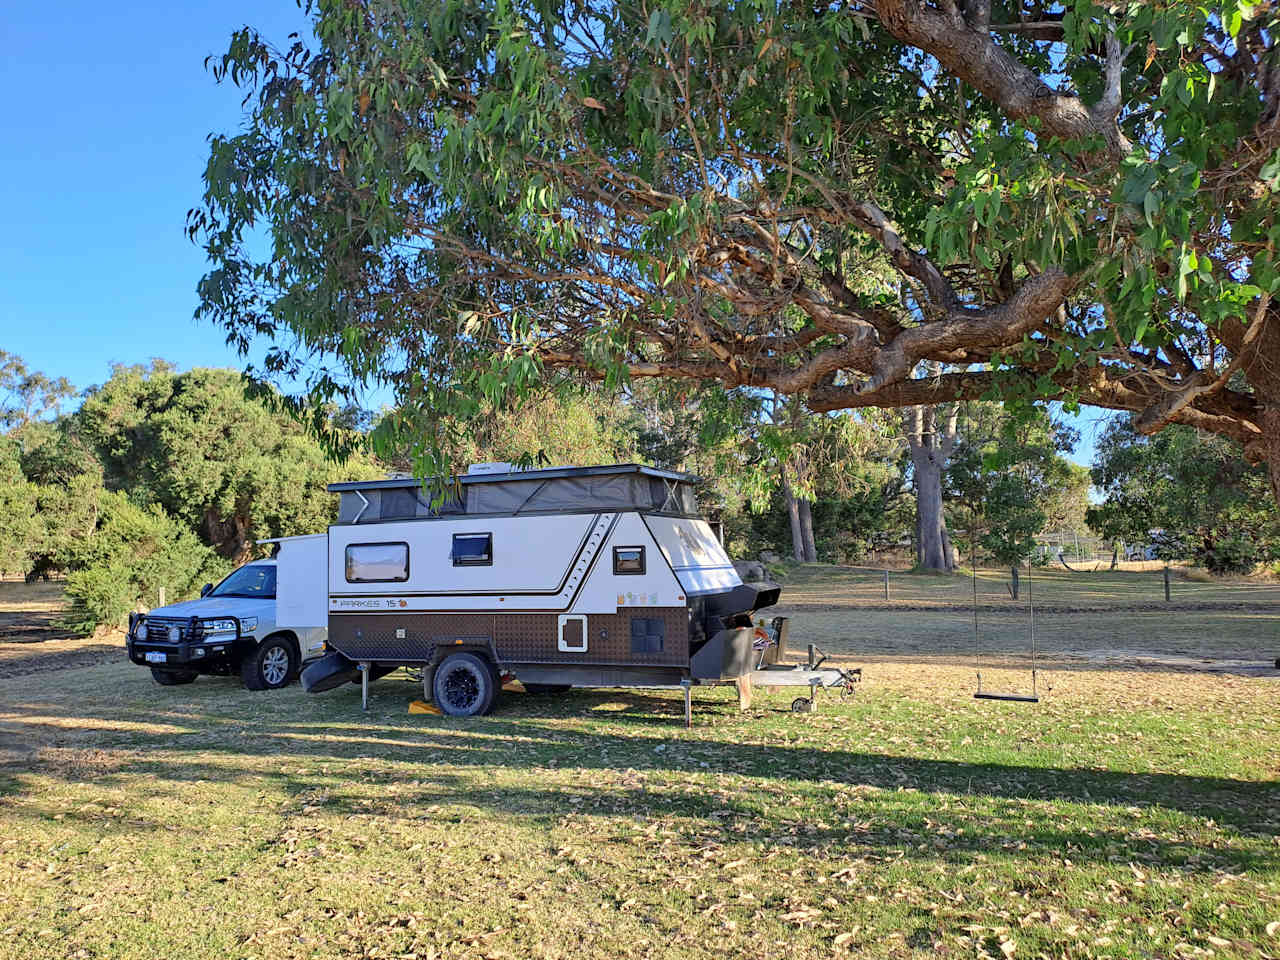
x: 272, y: 665
x: 172, y: 678
x: 463, y: 685
x: 546, y: 689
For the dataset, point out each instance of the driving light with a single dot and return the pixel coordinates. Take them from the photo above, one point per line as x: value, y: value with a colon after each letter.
x: 141, y: 632
x: 198, y: 652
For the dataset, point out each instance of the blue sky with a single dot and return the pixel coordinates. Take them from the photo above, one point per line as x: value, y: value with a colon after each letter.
x: 101, y: 153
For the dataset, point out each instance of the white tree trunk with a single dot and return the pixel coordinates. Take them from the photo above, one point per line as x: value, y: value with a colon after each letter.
x: 930, y: 447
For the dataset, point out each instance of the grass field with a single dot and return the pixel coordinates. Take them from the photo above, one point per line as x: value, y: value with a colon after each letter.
x: 1133, y: 812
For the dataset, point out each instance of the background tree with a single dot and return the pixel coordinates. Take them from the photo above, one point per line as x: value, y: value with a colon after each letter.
x: 565, y: 426
x: 1012, y: 476
x: 1193, y: 488
x: 19, y: 525
x: 227, y: 466
x: 931, y: 436
x: 1077, y: 199
x: 27, y: 395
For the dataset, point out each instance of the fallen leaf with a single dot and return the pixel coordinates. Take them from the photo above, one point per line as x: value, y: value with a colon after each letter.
x: 593, y: 103
x: 1273, y: 928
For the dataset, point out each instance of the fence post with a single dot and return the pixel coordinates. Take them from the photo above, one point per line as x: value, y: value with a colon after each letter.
x: 1166, y: 584
x: 162, y: 596
x: 886, y: 585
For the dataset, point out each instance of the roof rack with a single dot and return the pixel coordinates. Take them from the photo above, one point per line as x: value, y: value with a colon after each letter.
x: 543, y: 473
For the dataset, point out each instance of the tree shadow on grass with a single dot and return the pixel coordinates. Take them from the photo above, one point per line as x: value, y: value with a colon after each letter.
x: 639, y: 766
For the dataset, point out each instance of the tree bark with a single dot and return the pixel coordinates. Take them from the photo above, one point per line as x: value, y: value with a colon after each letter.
x: 229, y: 537
x: 793, y: 515
x: 806, y: 531
x: 929, y: 448
x: 1271, y: 447
x: 1013, y: 583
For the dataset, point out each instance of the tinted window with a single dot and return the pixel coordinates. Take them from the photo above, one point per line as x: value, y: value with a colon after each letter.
x: 377, y: 562
x: 254, y: 580
x: 647, y: 634
x: 628, y: 560
x: 472, y: 549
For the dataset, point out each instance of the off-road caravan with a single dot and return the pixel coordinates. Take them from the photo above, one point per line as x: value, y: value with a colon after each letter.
x: 571, y: 576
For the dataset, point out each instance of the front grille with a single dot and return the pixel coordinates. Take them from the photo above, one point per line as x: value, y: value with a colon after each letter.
x: 158, y: 629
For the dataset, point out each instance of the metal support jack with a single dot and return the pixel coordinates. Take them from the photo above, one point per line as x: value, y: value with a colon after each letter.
x: 687, y: 684
x: 364, y: 684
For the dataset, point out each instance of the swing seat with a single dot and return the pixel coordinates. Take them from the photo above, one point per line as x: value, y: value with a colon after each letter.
x: 1016, y: 697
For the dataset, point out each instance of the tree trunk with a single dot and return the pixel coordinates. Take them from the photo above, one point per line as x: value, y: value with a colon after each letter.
x: 1013, y: 584
x: 793, y: 514
x: 931, y: 551
x: 930, y: 443
x: 1271, y: 448
x: 1115, y: 553
x: 806, y: 531
x: 229, y: 537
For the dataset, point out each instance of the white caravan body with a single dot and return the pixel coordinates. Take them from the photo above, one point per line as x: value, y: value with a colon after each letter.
x: 572, y: 569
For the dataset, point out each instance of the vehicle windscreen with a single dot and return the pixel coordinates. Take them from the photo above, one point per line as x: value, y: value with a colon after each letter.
x: 257, y: 582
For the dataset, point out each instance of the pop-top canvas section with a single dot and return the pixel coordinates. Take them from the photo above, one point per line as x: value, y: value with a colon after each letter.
x: 518, y: 493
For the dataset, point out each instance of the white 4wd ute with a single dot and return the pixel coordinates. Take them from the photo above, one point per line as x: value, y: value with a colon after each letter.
x: 261, y: 622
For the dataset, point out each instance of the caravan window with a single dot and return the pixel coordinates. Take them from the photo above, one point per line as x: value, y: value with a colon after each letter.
x: 628, y: 560
x: 377, y: 562
x: 472, y: 550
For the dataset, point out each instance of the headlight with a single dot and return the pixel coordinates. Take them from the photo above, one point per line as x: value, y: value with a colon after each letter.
x: 141, y: 632
x: 219, y: 626
x: 248, y: 623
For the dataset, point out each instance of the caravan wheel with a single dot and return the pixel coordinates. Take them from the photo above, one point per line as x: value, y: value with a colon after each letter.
x: 464, y: 685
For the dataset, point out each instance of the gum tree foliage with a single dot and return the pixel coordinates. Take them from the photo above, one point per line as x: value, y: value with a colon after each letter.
x: 1010, y: 480
x: 548, y: 426
x: 28, y: 396
x: 228, y: 466
x: 453, y: 198
x: 1192, y: 487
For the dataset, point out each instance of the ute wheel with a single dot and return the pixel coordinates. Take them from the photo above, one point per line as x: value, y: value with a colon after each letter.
x: 271, y: 666
x: 463, y: 685
x: 172, y: 678
x: 546, y: 689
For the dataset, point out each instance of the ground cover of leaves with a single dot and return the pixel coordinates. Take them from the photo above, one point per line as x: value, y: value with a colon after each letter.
x: 1131, y: 813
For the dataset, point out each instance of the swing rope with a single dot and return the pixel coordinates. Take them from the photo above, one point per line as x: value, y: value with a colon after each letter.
x: 980, y: 694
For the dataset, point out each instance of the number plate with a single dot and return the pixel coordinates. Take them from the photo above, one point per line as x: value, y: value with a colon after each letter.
x: 154, y: 656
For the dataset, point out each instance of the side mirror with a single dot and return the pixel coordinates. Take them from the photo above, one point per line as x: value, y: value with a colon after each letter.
x: 204, y: 591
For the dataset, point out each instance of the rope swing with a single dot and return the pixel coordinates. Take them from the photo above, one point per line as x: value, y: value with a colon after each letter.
x: 981, y: 694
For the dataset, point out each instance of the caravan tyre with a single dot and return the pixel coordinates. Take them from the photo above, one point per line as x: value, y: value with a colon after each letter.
x: 172, y: 678
x: 463, y: 685
x: 271, y: 666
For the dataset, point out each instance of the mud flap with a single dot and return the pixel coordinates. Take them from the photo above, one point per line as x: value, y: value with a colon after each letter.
x: 330, y: 671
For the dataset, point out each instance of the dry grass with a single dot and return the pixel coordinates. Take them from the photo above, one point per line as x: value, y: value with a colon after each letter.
x: 1130, y: 813
x: 1133, y: 812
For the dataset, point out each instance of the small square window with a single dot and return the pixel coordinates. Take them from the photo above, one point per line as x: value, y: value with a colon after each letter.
x: 628, y: 560
x: 472, y: 550
x: 647, y: 634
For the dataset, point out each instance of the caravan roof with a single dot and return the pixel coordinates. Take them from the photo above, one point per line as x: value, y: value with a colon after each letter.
x: 539, y: 473
x: 623, y: 486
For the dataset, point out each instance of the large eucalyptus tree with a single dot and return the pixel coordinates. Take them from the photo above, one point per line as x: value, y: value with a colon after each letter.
x: 454, y: 197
